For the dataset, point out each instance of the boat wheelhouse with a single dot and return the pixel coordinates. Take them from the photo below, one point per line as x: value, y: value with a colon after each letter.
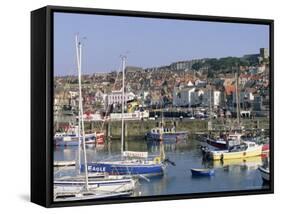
x: 225, y: 141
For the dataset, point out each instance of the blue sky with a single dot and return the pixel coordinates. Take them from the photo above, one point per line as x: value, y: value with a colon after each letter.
x: 148, y: 42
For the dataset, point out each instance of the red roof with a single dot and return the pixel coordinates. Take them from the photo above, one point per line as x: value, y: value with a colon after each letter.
x: 229, y: 89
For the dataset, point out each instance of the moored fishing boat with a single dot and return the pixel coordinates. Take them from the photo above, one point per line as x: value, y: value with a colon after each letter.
x: 244, y: 150
x: 70, y: 138
x: 73, y: 140
x: 225, y: 141
x: 166, y: 134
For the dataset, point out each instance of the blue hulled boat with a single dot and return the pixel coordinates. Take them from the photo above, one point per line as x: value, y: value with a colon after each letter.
x: 127, y: 167
x: 202, y: 172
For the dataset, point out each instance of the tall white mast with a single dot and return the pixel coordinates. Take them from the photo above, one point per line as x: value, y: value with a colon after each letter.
x: 210, y: 103
x: 237, y: 98
x: 79, y: 113
x: 79, y: 47
x: 123, y: 100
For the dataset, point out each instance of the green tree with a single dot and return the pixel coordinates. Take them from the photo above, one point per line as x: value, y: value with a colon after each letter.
x: 197, y: 66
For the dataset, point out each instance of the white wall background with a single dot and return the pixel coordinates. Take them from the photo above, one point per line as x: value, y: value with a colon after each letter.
x: 15, y: 105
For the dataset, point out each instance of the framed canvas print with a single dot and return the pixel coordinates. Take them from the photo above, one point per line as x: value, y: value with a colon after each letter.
x: 134, y: 106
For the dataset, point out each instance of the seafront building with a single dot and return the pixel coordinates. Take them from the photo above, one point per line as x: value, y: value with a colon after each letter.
x: 115, y: 97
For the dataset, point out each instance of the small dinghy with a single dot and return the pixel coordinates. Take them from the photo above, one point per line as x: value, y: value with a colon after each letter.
x: 202, y: 172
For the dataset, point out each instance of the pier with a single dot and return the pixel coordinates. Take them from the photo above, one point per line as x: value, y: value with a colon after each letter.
x: 138, y: 128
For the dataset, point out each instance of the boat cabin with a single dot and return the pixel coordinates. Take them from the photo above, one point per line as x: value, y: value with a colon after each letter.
x: 233, y: 140
x: 242, y: 147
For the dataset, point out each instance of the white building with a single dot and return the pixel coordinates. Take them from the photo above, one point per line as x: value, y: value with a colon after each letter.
x: 187, y: 96
x: 198, y: 82
x: 99, y: 96
x: 261, y: 69
x: 192, y: 96
x: 244, y: 97
x: 212, y: 97
x: 73, y: 94
x: 116, y: 97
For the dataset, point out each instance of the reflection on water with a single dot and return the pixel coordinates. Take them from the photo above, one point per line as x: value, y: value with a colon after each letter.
x: 249, y: 163
x: 237, y: 174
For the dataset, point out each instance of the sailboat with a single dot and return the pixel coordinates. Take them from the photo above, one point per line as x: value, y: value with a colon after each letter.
x: 131, y: 163
x: 94, y: 186
x: 97, y: 182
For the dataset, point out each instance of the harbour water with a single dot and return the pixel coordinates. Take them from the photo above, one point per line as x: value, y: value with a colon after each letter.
x: 232, y: 175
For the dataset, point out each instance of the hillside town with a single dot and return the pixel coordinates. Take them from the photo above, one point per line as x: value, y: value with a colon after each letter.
x: 213, y: 84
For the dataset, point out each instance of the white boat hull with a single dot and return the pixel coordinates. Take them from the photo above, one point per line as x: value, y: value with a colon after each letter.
x: 107, y: 185
x: 87, y: 195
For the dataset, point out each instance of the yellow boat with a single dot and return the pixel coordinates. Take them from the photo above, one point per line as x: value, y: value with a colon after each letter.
x: 248, y: 162
x: 244, y: 150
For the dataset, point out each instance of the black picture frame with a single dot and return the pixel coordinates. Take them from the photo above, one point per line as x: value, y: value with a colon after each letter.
x: 42, y: 100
